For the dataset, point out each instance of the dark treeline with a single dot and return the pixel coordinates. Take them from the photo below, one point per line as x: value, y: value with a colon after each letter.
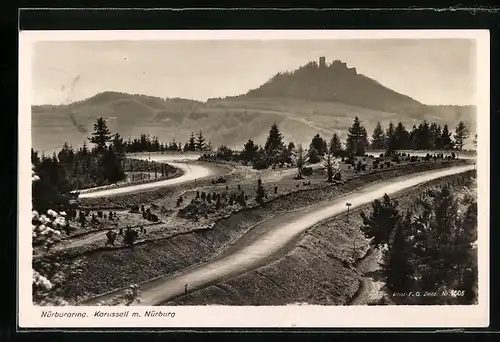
x: 276, y: 153
x: 195, y: 143
x: 428, y: 250
x: 70, y: 169
x: 425, y: 136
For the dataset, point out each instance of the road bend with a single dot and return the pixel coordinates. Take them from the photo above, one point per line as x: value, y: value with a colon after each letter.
x: 260, y: 249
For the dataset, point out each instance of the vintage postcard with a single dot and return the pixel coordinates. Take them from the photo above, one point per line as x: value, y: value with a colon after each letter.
x: 186, y: 179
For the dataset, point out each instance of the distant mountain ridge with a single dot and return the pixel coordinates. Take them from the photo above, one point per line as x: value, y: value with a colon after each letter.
x: 315, y: 98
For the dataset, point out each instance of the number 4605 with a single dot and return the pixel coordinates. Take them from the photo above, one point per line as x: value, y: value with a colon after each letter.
x: 457, y: 293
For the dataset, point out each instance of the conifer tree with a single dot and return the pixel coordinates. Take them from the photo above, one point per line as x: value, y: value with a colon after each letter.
x: 319, y: 145
x: 382, y: 221
x: 200, y: 141
x: 313, y: 156
x: 390, y: 139
x: 357, y: 139
x: 440, y: 252
x: 399, y: 260
x: 414, y: 138
x: 401, y: 137
x: 378, y: 138
x: 461, y: 135
x: 274, y: 140
x: 249, y: 151
x: 101, y: 135
x: 445, y: 142
x: 435, y: 131
x: 335, y: 146
x: 191, y: 144
x: 300, y: 160
x: 331, y: 166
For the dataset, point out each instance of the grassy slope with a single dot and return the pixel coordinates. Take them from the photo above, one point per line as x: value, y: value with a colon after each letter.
x: 229, y: 121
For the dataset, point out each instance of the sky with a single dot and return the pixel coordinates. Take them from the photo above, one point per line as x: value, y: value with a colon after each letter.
x: 439, y: 71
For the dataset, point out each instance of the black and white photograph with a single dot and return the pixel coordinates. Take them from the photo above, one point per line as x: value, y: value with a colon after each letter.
x: 271, y: 171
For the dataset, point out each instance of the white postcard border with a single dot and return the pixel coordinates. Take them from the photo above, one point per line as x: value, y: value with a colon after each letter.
x: 256, y: 316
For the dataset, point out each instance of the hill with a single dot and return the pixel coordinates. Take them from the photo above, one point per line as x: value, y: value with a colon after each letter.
x: 313, y: 99
x: 336, y: 82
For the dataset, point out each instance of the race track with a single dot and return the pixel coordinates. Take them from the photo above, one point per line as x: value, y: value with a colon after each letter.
x: 277, y: 233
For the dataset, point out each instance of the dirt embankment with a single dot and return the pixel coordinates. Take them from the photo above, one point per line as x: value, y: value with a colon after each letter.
x: 111, y: 269
x: 325, y: 267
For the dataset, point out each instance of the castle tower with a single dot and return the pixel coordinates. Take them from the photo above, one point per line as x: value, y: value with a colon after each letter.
x: 322, y: 62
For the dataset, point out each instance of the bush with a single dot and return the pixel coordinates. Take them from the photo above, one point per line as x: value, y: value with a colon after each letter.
x: 259, y: 165
x: 307, y: 171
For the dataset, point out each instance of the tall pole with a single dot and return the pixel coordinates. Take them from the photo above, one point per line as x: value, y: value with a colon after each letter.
x: 348, y: 206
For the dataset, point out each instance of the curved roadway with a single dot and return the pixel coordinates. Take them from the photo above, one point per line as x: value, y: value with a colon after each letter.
x: 277, y: 233
x: 190, y: 173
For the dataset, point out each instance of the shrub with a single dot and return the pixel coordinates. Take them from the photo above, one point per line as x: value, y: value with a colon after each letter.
x: 241, y: 200
x: 307, y: 171
x: 260, y: 192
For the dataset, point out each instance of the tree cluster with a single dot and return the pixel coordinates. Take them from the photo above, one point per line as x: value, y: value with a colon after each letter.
x: 71, y: 169
x: 145, y: 143
x: 429, y: 250
x: 425, y: 136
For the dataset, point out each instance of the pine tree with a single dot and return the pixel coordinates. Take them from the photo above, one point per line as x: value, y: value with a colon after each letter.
x: 378, y: 138
x: 260, y: 192
x: 399, y: 261
x: 300, y: 160
x: 101, y: 135
x: 461, y: 135
x: 445, y: 142
x: 414, y: 138
x: 191, y: 144
x: 313, y: 156
x: 173, y: 145
x: 424, y: 138
x: 274, y: 140
x: 382, y: 221
x: 155, y: 144
x: 357, y: 139
x: 66, y: 155
x: 118, y: 146
x: 335, y: 146
x: 401, y: 137
x: 249, y: 151
x: 435, y: 132
x: 331, y: 166
x: 317, y: 143
x: 440, y: 249
x: 390, y: 139
x: 200, y: 142
x: 465, y: 257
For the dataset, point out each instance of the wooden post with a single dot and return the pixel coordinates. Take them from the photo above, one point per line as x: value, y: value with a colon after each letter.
x: 348, y: 206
